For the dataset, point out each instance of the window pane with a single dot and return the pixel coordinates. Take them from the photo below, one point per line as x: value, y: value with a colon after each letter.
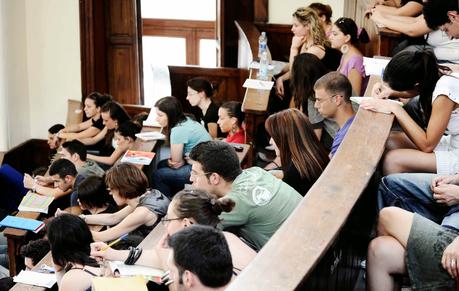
x: 164, y: 50
x: 208, y: 53
x: 158, y: 52
x: 179, y: 9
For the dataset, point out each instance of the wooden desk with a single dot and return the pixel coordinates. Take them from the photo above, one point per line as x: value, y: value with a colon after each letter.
x: 255, y: 106
x: 15, y: 239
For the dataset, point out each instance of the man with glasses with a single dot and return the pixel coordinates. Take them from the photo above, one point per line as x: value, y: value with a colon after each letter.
x: 333, y: 92
x: 263, y: 202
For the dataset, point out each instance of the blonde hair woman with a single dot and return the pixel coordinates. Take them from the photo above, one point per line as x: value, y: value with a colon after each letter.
x: 308, y: 37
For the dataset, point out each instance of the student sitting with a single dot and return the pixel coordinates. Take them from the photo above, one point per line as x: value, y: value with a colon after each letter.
x: 70, y: 239
x: 214, y: 268
x: 183, y: 133
x: 187, y: 208
x: 302, y: 156
x: 333, y: 92
x: 199, y: 93
x: 65, y: 177
x: 75, y: 152
x: 263, y: 202
x: 113, y: 115
x: 345, y: 37
x: 33, y: 252
x: 94, y: 124
x: 125, y: 139
x: 306, y: 70
x: 93, y: 197
x: 422, y: 150
x: 12, y: 181
x: 128, y: 186
x: 230, y: 120
x: 325, y: 12
x: 411, y: 244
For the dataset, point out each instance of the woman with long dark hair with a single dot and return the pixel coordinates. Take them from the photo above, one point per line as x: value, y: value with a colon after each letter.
x: 345, y: 36
x: 302, y: 156
x: 422, y: 149
x: 182, y: 133
x: 70, y: 238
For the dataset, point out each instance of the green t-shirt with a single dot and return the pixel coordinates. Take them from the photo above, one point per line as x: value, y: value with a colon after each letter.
x: 263, y: 203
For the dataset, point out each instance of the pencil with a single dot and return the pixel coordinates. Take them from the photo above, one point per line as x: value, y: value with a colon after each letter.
x: 114, y: 242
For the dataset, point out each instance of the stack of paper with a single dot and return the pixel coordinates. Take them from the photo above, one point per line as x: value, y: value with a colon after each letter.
x: 22, y: 223
x: 35, y: 203
x: 150, y: 135
x: 118, y: 284
x: 151, y: 119
x: 35, y: 278
x: 151, y: 274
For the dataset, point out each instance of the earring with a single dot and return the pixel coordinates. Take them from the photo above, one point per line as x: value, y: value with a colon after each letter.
x: 344, y: 49
x: 233, y: 129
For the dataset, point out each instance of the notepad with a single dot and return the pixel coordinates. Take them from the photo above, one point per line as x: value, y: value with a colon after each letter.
x: 151, y: 274
x: 151, y: 135
x: 22, y: 223
x: 258, y: 84
x: 35, y: 203
x: 118, y: 284
x: 375, y: 66
x: 138, y: 157
x: 36, y: 279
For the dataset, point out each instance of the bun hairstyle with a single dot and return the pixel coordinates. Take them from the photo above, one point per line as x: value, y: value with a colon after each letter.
x: 201, y: 206
x: 201, y: 84
x: 99, y: 99
x: 322, y: 10
x: 348, y: 27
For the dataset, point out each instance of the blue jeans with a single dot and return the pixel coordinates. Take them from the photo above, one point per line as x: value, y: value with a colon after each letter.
x: 168, y: 180
x: 412, y: 192
x: 13, y: 190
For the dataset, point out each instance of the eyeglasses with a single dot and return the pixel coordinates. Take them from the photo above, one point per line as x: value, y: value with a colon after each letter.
x: 322, y: 100
x: 192, y: 93
x: 194, y: 173
x: 166, y: 220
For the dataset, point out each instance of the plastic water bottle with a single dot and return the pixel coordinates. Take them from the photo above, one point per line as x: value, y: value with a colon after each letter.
x: 263, y: 56
x: 262, y: 44
x: 264, y: 63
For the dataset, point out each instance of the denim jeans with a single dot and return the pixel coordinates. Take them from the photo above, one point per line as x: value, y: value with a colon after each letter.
x: 412, y: 192
x: 168, y: 180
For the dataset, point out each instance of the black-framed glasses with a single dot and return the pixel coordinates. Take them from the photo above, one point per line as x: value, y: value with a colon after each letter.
x: 166, y: 220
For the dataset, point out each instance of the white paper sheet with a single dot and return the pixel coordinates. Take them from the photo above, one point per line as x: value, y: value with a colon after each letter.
x: 374, y: 66
x: 36, y: 279
x: 258, y: 84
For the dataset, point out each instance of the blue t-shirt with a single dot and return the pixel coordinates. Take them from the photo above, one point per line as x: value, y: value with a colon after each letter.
x: 189, y: 133
x: 340, y: 135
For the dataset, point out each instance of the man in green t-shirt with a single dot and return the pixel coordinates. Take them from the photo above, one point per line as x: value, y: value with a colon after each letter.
x: 263, y: 202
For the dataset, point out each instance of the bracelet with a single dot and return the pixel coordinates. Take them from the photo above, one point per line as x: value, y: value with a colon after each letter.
x: 134, y: 255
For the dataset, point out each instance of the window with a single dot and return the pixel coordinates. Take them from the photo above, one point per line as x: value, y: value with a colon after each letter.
x: 176, y: 32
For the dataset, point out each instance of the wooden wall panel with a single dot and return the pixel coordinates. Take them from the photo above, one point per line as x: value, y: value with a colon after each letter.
x: 123, y: 60
x: 279, y: 39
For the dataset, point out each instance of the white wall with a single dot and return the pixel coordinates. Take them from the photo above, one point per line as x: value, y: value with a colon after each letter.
x: 3, y: 101
x: 42, y: 65
x: 280, y: 11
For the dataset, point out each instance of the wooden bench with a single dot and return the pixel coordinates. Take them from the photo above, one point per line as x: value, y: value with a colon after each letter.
x: 298, y: 245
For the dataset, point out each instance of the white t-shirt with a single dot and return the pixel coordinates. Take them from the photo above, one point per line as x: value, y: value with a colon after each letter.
x: 448, y: 85
x: 445, y: 49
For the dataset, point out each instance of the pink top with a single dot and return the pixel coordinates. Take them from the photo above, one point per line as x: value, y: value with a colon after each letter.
x: 355, y: 62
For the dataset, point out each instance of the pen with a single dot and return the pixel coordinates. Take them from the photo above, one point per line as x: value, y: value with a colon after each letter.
x: 114, y: 242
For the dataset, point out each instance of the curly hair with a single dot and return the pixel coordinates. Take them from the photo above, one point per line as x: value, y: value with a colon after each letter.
x: 307, y: 15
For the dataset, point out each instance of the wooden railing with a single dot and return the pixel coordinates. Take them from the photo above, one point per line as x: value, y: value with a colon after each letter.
x: 296, y: 248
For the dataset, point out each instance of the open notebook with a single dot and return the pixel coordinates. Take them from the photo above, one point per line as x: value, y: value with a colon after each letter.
x: 35, y: 203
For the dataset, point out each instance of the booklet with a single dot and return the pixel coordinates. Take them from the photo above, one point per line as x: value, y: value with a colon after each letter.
x: 22, y: 223
x: 150, y: 135
x: 138, y: 157
x: 35, y: 278
x: 148, y: 273
x: 35, y: 203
